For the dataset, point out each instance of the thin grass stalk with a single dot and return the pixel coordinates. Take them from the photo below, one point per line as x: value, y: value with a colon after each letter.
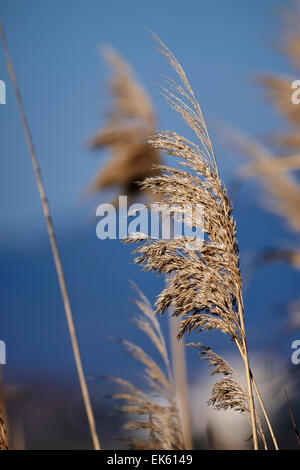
x: 55, y: 251
x: 180, y: 378
x: 248, y: 371
x: 180, y: 371
x: 241, y: 315
x: 156, y: 409
x: 262, y: 405
x: 131, y: 121
x: 264, y: 412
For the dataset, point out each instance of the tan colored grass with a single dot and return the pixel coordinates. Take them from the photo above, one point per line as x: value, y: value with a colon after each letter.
x: 55, y: 251
x: 131, y: 121
x: 230, y: 392
x: 158, y: 417
x: 277, y: 172
x: 281, y: 186
x: 292, y: 416
x: 205, y: 290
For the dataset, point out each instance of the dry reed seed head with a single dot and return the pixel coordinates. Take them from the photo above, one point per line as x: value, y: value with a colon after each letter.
x: 205, y: 287
x: 205, y: 282
x: 278, y: 92
x: 271, y: 166
x: 278, y: 88
x: 131, y: 121
x: 289, y: 256
x: 290, y: 38
x: 283, y: 188
x: 276, y: 172
x: 157, y: 410
x: 130, y: 97
x: 227, y: 393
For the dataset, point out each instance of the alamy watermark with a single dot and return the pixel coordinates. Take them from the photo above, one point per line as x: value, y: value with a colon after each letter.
x: 155, y: 221
x: 2, y: 92
x: 2, y: 353
x: 296, y: 352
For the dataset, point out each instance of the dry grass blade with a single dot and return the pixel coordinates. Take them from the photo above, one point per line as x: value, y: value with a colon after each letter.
x: 283, y: 189
x: 279, y: 88
x: 206, y: 286
x: 131, y: 121
x: 156, y: 409
x: 279, y: 91
x: 55, y: 251
x: 276, y: 172
x: 181, y: 383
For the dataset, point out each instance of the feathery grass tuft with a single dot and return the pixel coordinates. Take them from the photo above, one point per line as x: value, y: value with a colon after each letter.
x: 206, y: 286
x: 277, y: 173
x: 131, y: 121
x: 156, y: 409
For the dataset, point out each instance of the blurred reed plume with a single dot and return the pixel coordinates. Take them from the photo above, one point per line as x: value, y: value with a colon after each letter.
x: 157, y: 410
x: 279, y: 87
x: 205, y: 289
x: 278, y: 173
x: 131, y: 120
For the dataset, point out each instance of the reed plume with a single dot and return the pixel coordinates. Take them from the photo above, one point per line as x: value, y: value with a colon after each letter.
x: 229, y: 392
x: 205, y: 290
x: 278, y: 88
x: 131, y: 121
x: 277, y: 172
x: 156, y: 408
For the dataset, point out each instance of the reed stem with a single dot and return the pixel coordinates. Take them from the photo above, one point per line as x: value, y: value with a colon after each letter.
x: 180, y: 377
x: 248, y: 372
x: 55, y: 251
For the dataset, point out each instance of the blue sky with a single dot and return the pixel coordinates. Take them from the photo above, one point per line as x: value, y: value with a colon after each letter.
x: 55, y: 49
